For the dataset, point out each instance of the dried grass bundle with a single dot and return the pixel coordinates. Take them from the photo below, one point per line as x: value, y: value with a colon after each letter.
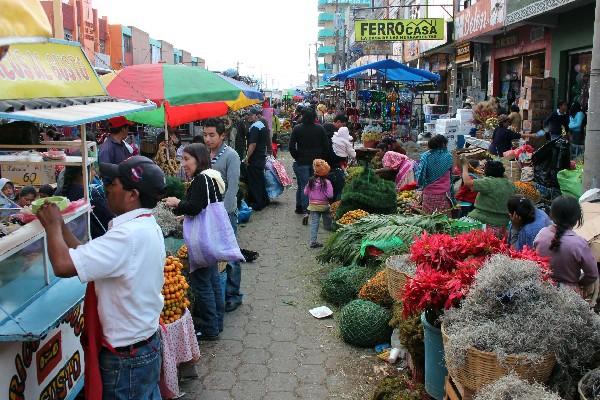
x: 167, y: 221
x: 511, y: 310
x: 590, y: 385
x: 512, y: 388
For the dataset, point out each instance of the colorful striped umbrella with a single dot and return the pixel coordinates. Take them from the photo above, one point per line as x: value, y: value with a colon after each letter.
x: 182, y: 93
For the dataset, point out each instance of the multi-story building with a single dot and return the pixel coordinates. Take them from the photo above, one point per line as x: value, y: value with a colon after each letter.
x: 331, y: 49
x: 110, y: 46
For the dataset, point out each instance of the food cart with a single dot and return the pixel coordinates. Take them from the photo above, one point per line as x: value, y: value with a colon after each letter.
x: 41, y: 317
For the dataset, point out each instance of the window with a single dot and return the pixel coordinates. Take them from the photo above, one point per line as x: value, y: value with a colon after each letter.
x: 127, y: 47
x: 102, y: 46
x: 68, y: 35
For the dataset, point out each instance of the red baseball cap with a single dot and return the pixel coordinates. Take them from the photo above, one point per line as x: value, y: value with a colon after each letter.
x: 118, y: 122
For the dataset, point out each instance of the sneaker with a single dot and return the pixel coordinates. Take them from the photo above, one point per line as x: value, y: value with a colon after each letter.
x: 305, y: 219
x: 205, y: 338
x: 249, y: 255
x: 315, y: 245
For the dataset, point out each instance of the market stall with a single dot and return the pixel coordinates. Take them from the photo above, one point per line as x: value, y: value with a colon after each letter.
x: 385, y: 98
x: 40, y: 314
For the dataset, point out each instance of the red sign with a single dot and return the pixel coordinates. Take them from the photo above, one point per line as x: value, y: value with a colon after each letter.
x: 48, y: 357
x: 481, y: 17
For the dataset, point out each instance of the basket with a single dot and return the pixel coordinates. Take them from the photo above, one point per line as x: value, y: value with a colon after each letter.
x: 482, y: 368
x: 581, y: 382
x: 397, y: 271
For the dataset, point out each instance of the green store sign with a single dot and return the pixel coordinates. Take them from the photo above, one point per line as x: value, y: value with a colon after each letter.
x: 399, y: 29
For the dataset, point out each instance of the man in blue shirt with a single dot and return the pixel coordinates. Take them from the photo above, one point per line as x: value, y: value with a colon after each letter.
x: 114, y: 150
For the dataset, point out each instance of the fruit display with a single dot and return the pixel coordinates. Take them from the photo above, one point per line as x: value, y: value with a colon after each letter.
x: 174, y: 291
x: 169, y: 166
x: 528, y: 190
x: 182, y: 253
x: 333, y: 208
x: 352, y: 216
x: 406, y: 201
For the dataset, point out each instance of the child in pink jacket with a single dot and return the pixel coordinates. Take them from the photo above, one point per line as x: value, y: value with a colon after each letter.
x: 319, y: 191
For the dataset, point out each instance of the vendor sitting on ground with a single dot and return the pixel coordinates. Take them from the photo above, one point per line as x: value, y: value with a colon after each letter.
x: 433, y: 176
x: 525, y: 222
x: 571, y: 259
x: 26, y: 196
x: 502, y: 137
x: 401, y: 166
x: 493, y: 192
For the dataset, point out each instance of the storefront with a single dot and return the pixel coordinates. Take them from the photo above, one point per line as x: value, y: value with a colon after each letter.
x: 572, y: 54
x: 522, y: 52
x: 474, y: 26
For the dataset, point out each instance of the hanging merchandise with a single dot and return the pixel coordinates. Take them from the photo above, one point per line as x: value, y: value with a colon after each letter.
x: 350, y: 85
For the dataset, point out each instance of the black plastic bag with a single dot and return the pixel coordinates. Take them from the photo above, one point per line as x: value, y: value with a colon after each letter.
x: 548, y: 160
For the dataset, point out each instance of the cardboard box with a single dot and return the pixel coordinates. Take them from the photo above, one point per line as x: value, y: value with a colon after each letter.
x: 549, y: 83
x: 539, y: 94
x: 533, y: 82
x: 533, y: 126
x: 540, y: 115
x: 590, y: 230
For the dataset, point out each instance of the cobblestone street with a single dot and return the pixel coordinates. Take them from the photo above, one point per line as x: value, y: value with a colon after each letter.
x: 272, y: 348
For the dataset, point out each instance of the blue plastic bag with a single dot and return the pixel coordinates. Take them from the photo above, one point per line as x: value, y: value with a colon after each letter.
x: 272, y: 184
x: 244, y: 213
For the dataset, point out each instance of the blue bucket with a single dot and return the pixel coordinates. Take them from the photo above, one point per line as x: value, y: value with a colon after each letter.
x: 435, y: 366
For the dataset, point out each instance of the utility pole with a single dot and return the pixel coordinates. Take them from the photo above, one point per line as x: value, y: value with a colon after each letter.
x: 591, y: 167
x: 317, y: 64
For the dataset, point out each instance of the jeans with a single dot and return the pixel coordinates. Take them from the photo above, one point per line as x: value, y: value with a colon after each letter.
x: 208, y: 300
x: 315, y: 217
x: 126, y: 377
x: 234, y: 271
x: 303, y: 174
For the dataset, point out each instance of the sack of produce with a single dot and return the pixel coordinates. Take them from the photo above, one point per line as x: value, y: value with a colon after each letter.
x: 365, y: 324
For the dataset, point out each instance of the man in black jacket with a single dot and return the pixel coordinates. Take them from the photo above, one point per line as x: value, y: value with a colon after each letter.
x: 558, y: 120
x: 308, y: 142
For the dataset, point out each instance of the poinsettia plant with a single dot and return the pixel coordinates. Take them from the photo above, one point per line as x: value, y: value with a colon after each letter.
x: 447, y: 266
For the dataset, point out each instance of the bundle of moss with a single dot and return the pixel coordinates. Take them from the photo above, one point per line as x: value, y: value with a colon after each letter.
x: 370, y: 193
x: 511, y: 387
x: 511, y: 310
x: 343, y: 283
x: 166, y: 219
x: 175, y: 187
x: 399, y: 387
x: 364, y: 323
x: 590, y: 385
x: 376, y: 290
x: 410, y: 333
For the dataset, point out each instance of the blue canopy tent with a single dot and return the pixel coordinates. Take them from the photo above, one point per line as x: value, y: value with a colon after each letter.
x: 392, y: 71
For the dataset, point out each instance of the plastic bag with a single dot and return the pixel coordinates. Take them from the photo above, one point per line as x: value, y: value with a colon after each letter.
x: 272, y: 184
x: 548, y: 160
x: 571, y: 182
x: 383, y: 245
x: 210, y: 237
x: 282, y: 174
x: 244, y: 213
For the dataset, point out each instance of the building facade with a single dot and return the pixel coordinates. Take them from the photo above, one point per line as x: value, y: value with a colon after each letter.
x: 110, y: 46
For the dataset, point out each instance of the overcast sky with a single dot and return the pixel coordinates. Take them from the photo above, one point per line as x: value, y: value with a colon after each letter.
x: 268, y: 37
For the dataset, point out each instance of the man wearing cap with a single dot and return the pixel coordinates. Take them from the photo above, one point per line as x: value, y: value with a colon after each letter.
x: 114, y: 150
x: 256, y: 159
x: 124, y: 269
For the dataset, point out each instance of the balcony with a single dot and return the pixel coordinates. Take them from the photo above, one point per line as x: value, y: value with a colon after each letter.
x: 326, y: 33
x: 325, y: 68
x: 323, y: 3
x: 325, y: 18
x: 326, y: 50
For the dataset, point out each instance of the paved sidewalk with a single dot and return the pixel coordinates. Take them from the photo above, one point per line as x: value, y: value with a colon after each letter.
x: 272, y: 348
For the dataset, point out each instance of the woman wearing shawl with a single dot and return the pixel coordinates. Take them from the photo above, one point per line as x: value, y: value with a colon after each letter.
x: 402, y: 165
x: 433, y: 176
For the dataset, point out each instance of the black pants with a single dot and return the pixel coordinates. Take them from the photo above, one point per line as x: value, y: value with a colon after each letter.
x: 257, y: 192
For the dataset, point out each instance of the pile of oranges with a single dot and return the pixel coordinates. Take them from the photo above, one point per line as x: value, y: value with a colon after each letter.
x: 174, y: 291
x: 182, y: 253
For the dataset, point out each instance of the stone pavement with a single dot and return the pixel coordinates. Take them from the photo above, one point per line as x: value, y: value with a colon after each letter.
x: 272, y: 348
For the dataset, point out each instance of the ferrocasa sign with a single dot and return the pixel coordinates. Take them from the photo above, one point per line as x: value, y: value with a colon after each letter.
x: 399, y: 29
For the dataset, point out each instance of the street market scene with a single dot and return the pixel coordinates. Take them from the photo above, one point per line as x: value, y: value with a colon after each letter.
x: 316, y: 199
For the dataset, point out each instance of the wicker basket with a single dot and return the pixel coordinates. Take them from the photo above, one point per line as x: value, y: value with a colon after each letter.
x: 483, y: 368
x: 580, y: 385
x: 396, y: 272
